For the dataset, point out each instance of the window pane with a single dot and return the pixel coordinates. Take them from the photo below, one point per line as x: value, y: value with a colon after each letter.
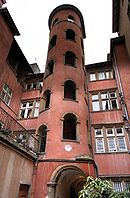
x: 111, y: 144
x: 98, y: 132
x: 118, y: 187
x: 107, y: 74
x: 5, y: 88
x: 92, y: 77
x: 127, y: 186
x: 7, y: 100
x: 3, y: 94
x: 29, y: 113
x: 95, y: 97
x: 30, y: 104
x: 112, y: 95
x: 104, y: 95
x: 101, y: 75
x: 22, y: 113
x: 37, y: 104
x: 96, y: 106
x: 36, y: 112
x: 114, y: 104
x: 110, y: 131
x: 121, y: 143
x: 119, y: 131
x: 105, y: 105
x: 99, y: 145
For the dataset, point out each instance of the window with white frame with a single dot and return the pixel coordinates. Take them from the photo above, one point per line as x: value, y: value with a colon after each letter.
x: 120, y: 186
x: 29, y: 109
x: 110, y: 139
x: 6, y: 94
x: 100, y: 145
x: 101, y: 75
x: 104, y: 101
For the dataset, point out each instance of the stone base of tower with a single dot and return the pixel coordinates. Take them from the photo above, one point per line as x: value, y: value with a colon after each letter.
x: 56, y: 178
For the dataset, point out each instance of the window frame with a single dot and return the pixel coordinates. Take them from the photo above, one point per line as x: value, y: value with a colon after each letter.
x: 100, y: 101
x: 28, y: 111
x: 114, y: 137
x: 108, y: 75
x: 6, y: 94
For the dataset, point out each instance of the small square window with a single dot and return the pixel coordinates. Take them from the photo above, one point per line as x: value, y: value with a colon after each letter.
x: 98, y: 132
x: 119, y: 131
x: 101, y: 76
x: 92, y: 77
x: 110, y: 131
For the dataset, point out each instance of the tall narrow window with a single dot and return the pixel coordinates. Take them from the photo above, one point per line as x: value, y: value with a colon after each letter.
x: 69, y: 127
x: 70, y: 90
x: 46, y: 97
x: 42, y: 133
x: 100, y: 145
x: 70, y: 58
x: 52, y: 42
x: 6, y: 94
x: 70, y: 34
x: 49, y: 68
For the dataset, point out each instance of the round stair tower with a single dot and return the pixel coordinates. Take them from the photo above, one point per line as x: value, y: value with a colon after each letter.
x: 65, y: 156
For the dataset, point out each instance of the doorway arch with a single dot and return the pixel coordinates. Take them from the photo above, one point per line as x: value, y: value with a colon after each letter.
x: 66, y: 181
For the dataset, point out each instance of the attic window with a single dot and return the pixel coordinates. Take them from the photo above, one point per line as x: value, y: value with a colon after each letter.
x: 70, y: 18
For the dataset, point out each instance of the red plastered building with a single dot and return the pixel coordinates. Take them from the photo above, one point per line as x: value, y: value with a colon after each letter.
x: 70, y: 122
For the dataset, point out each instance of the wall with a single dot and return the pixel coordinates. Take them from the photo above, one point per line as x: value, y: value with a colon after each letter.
x: 14, y: 169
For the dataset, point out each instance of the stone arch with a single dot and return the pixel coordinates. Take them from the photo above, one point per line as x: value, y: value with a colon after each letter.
x: 58, y: 187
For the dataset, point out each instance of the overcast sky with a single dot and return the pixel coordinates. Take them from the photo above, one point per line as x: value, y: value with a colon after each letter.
x: 31, y: 19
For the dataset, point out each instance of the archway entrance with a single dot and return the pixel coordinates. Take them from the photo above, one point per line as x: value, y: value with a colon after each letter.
x: 68, y: 181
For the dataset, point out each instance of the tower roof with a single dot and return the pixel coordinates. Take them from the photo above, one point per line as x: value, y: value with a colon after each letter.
x: 68, y: 6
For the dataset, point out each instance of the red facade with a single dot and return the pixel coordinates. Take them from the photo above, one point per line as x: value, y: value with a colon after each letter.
x: 74, y: 118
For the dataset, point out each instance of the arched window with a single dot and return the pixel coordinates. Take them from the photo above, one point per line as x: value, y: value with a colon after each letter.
x: 70, y: 90
x: 70, y: 58
x: 49, y: 68
x: 52, y: 42
x: 46, y: 97
x: 42, y: 134
x: 70, y: 34
x: 71, y: 18
x: 69, y: 127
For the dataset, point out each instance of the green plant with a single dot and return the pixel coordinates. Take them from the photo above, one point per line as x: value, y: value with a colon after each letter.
x: 98, y: 188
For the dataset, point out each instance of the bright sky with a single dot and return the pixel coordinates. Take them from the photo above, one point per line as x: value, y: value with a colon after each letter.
x: 31, y: 19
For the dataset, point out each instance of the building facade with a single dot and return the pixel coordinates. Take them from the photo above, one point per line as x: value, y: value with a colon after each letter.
x: 69, y: 122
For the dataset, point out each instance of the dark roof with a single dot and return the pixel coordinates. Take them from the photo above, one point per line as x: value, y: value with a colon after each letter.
x: 115, y: 15
x: 68, y: 6
x: 18, y: 52
x: 6, y: 15
x: 99, y: 64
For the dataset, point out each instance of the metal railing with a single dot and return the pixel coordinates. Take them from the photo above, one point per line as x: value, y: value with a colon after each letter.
x: 16, y: 132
